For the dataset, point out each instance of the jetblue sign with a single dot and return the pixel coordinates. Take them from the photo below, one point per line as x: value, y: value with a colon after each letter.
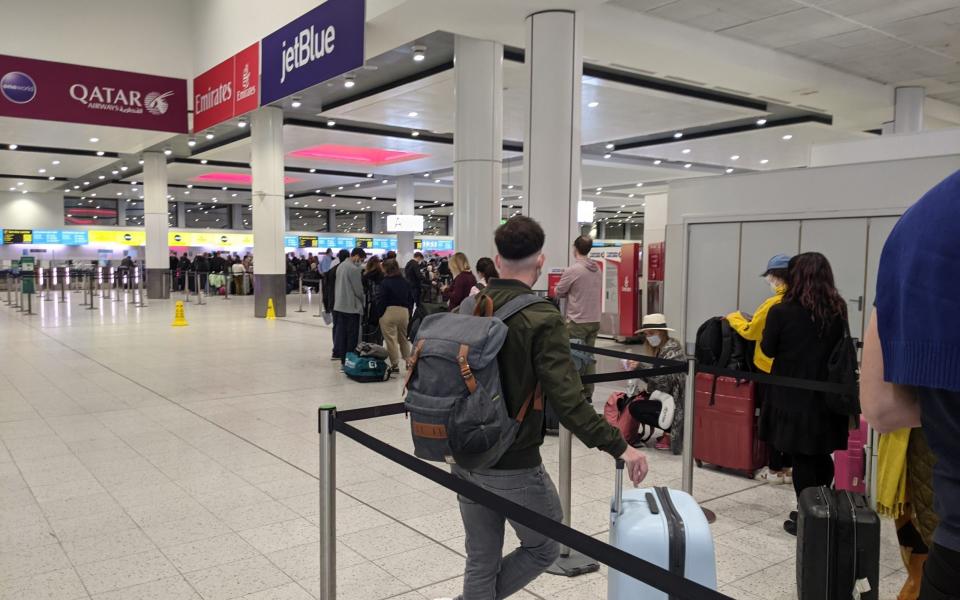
x: 324, y: 43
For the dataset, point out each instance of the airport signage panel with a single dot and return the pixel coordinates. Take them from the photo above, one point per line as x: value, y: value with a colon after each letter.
x: 345, y: 242
x: 55, y: 91
x: 405, y: 223
x: 323, y: 43
x: 308, y: 241
x: 17, y: 236
x: 229, y: 89
x: 127, y: 238
x: 291, y: 241
x: 385, y: 243
x: 438, y: 245
x: 210, y: 240
x: 66, y: 237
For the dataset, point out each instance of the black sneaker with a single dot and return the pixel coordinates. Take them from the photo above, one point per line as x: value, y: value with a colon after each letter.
x: 790, y: 527
x: 793, y: 516
x: 334, y: 357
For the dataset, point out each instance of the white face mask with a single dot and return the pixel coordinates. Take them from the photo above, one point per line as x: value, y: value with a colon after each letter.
x: 654, y: 340
x: 774, y: 283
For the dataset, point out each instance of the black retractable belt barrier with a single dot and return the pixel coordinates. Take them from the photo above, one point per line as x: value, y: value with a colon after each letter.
x: 372, y: 412
x: 791, y: 382
x: 662, y: 579
x: 621, y: 375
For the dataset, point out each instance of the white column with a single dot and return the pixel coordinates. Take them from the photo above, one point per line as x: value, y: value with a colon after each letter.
x: 266, y: 161
x: 551, y: 151
x: 478, y: 144
x: 405, y: 206
x: 155, y: 223
x: 908, y: 109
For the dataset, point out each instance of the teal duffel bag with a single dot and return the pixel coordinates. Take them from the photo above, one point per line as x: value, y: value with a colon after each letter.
x: 365, y: 368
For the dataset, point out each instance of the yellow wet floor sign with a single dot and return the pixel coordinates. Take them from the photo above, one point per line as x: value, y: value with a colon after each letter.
x: 179, y: 318
x: 271, y: 313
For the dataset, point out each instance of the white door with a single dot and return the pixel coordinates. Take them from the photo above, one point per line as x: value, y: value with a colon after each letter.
x: 713, y: 255
x: 758, y: 243
x: 844, y: 243
x: 880, y: 228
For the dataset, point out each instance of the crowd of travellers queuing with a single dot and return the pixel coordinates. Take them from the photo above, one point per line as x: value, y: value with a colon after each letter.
x: 910, y: 383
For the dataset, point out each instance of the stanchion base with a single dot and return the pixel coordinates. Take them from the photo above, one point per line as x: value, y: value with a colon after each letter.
x: 709, y: 514
x: 573, y: 565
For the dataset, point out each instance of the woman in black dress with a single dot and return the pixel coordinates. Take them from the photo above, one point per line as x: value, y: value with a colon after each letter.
x: 800, y: 334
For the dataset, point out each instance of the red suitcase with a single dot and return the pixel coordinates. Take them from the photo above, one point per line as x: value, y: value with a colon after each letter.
x: 725, y: 425
x: 850, y: 464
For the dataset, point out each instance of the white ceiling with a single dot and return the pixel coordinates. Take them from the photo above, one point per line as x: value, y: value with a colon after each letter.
x: 623, y: 111
x: 752, y: 147
x: 30, y: 163
x: 76, y: 136
x: 889, y: 41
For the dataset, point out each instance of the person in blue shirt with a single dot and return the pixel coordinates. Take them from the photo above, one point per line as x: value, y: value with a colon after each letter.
x: 326, y: 261
x: 911, y: 359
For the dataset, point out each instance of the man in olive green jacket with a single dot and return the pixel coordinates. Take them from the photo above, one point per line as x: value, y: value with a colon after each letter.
x: 536, y: 352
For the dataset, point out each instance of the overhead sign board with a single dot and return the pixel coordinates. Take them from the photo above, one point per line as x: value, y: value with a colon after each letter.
x: 291, y: 241
x: 385, y: 243
x: 228, y: 90
x: 405, y: 223
x: 308, y: 241
x: 127, y: 238
x: 208, y: 239
x: 17, y: 236
x: 323, y: 43
x: 437, y: 245
x: 55, y: 91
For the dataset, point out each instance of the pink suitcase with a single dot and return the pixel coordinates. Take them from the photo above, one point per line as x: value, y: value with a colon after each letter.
x: 850, y: 464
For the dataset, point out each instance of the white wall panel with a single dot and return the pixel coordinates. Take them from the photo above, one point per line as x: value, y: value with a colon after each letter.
x: 713, y: 254
x: 844, y: 243
x: 879, y: 230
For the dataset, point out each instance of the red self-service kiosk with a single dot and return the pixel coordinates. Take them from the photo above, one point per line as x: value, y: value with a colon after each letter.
x: 628, y: 289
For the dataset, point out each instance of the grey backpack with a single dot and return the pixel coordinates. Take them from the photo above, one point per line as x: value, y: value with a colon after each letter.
x: 454, y: 400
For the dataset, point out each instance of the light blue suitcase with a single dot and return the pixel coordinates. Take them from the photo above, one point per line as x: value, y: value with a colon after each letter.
x: 665, y: 527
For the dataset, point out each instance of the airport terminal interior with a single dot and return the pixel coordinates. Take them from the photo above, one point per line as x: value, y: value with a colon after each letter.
x: 172, y: 174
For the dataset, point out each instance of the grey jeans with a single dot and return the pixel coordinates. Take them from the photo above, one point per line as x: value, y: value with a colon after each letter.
x: 488, y: 574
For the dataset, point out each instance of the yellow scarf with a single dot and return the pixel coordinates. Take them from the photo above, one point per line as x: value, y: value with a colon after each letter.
x: 892, y: 473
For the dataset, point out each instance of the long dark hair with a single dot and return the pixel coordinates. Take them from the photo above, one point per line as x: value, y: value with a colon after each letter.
x: 810, y: 283
x: 487, y: 268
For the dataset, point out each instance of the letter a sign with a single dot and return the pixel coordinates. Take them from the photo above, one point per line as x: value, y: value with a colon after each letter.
x: 324, y: 43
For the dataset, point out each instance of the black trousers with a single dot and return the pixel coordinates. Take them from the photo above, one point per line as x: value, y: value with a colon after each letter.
x: 811, y: 471
x: 940, y: 580
x: 346, y: 333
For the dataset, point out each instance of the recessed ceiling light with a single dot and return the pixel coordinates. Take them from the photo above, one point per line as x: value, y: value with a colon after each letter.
x: 415, y: 133
x: 688, y: 165
x: 419, y: 53
x: 761, y: 122
x: 609, y: 146
x: 41, y: 170
x: 114, y: 172
x: 788, y: 136
x: 99, y: 152
x: 735, y: 157
x: 167, y: 151
x: 55, y: 162
x: 242, y: 122
x: 729, y: 170
x: 631, y: 195
x: 101, y: 177
x: 296, y: 103
x: 86, y: 183
x: 640, y: 184
x: 678, y: 135
x: 12, y: 146
x: 224, y: 188
x: 607, y: 155
x: 385, y: 181
x: 349, y: 81
x: 331, y: 123
x: 413, y: 113
x: 685, y: 151
x: 764, y: 161
x: 340, y: 187
x: 94, y: 140
x: 593, y: 104
x: 51, y: 178
x: 209, y: 135
x: 124, y: 167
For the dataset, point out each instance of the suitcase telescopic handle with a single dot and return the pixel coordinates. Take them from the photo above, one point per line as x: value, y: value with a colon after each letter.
x: 618, y: 488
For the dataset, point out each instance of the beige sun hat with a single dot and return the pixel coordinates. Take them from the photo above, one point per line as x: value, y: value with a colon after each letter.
x: 654, y: 321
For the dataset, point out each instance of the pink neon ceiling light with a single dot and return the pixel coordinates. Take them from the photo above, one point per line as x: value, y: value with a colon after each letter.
x: 357, y: 155
x: 236, y: 178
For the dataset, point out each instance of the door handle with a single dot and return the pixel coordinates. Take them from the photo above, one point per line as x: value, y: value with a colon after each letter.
x: 859, y: 301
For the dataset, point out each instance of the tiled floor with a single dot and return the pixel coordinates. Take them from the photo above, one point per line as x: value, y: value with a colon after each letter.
x: 140, y: 461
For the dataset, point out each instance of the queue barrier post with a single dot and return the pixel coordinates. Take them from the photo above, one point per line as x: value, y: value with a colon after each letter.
x: 29, y: 304
x: 688, y: 408
x: 63, y: 285
x: 226, y: 285
x: 196, y: 282
x: 300, y: 301
x: 93, y: 293
x: 141, y: 274
x: 9, y: 283
x: 569, y: 563
x: 328, y: 503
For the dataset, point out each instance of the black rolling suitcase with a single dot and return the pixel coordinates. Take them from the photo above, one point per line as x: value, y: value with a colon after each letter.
x: 838, y: 546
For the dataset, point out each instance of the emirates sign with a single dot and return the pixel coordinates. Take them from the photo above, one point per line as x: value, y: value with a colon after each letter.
x: 228, y: 90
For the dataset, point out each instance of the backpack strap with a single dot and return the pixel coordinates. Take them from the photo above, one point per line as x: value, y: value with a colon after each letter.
x: 465, y: 370
x: 412, y: 362
x: 536, y: 399
x: 517, y: 304
x: 484, y: 307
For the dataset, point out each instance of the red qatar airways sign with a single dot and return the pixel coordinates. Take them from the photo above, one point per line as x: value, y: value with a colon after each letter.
x: 54, y: 91
x: 229, y: 89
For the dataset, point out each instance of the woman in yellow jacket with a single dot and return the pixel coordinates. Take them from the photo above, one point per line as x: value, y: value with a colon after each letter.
x: 751, y: 329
